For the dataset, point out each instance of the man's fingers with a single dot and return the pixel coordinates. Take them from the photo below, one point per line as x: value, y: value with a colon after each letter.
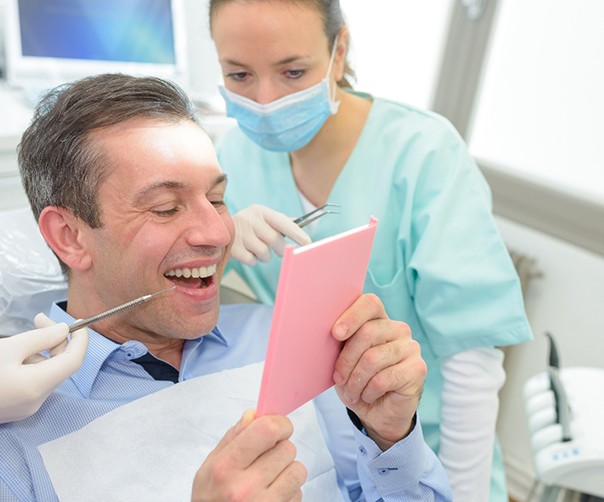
x: 365, y: 308
x: 401, y: 378
x: 258, y: 437
x: 361, y: 364
x: 246, y: 441
x: 244, y: 421
x: 374, y: 333
x: 289, y: 483
x: 253, y: 461
x: 274, y: 461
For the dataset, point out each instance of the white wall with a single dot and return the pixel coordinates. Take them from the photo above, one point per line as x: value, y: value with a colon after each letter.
x: 204, y: 70
x: 567, y: 301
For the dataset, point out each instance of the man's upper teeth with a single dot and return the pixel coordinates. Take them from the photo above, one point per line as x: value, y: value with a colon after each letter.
x: 192, y: 272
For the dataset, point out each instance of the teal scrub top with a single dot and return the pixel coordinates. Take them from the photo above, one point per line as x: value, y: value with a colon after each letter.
x: 438, y: 262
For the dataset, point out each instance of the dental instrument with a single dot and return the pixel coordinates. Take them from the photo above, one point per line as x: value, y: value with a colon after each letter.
x: 116, y: 310
x: 308, y: 218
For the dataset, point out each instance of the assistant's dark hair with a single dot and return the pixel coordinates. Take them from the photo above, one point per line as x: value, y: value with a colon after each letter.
x: 333, y: 20
x: 59, y: 164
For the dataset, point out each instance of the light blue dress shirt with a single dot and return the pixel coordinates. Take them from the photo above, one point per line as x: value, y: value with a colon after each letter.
x: 109, y: 378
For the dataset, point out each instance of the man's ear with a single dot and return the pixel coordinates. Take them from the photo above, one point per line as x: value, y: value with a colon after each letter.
x: 63, y: 233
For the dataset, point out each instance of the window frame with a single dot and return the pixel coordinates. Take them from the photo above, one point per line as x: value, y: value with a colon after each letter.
x: 566, y: 216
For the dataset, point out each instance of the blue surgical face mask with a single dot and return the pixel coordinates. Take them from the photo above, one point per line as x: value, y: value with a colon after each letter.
x: 288, y: 123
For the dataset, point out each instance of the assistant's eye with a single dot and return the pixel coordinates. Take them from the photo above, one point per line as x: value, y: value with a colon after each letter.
x: 238, y: 76
x: 295, y: 74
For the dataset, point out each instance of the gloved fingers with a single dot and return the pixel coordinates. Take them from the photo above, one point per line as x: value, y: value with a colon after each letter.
x: 78, y: 342
x: 42, y: 321
x: 33, y: 342
x: 239, y: 250
x: 36, y: 358
x: 268, y: 238
x: 286, y: 226
x: 239, y: 253
x: 260, y: 231
x: 49, y: 373
x: 54, y: 370
x: 251, y: 235
x: 262, y: 240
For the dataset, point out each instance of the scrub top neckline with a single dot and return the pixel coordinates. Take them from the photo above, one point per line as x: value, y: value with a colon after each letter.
x: 337, y: 195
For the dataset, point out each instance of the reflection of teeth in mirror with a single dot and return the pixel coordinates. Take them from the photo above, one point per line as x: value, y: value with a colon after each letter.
x: 195, y: 273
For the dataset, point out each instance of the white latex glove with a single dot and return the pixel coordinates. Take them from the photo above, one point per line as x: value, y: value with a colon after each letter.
x: 26, y: 377
x: 260, y: 229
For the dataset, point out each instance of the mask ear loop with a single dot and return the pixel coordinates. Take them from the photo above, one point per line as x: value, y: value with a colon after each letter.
x: 331, y: 60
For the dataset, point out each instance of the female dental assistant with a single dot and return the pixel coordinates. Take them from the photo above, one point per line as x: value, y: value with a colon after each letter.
x: 438, y: 262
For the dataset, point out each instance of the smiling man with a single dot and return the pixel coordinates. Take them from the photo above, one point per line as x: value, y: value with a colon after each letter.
x: 129, y: 195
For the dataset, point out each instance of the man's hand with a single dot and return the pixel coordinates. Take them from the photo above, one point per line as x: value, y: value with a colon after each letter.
x: 380, y: 372
x: 26, y: 377
x: 254, y: 461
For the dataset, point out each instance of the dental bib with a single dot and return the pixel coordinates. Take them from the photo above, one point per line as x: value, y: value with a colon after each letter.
x: 150, y: 449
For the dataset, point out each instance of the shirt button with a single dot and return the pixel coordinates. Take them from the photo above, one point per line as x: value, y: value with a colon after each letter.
x: 362, y: 450
x: 383, y: 472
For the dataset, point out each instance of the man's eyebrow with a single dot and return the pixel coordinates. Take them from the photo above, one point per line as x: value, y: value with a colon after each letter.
x: 172, y: 186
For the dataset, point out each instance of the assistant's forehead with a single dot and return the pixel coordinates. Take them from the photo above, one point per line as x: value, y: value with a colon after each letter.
x: 258, y: 26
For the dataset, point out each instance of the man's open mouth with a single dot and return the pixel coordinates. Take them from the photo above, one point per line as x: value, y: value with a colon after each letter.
x: 195, y: 278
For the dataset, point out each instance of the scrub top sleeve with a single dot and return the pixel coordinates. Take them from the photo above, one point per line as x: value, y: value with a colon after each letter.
x: 466, y: 290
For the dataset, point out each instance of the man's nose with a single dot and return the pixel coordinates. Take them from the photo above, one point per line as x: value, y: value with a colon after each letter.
x: 208, y: 227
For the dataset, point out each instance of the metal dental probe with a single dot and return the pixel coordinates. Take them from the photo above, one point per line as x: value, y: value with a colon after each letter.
x: 115, y: 310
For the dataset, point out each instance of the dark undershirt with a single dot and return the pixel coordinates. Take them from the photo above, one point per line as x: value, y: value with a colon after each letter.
x: 156, y: 368
x: 159, y: 370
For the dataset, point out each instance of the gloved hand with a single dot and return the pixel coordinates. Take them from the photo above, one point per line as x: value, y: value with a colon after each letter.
x: 260, y: 229
x: 26, y: 377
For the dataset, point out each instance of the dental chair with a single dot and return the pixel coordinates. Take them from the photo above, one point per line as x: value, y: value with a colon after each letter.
x: 565, y: 413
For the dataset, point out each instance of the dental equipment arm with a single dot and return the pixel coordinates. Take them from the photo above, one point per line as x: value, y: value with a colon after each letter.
x: 26, y: 377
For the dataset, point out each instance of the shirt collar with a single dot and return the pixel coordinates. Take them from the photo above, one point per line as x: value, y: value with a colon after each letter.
x: 100, y: 348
